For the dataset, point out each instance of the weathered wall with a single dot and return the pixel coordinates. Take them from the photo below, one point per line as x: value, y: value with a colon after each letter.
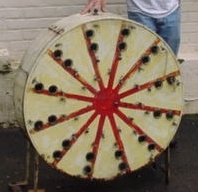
x: 189, y: 26
x: 7, y: 74
x: 21, y: 21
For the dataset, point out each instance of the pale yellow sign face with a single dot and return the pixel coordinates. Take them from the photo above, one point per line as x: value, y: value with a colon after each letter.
x: 103, y: 99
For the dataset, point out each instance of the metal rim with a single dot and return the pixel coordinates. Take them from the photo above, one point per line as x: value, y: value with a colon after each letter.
x: 100, y: 106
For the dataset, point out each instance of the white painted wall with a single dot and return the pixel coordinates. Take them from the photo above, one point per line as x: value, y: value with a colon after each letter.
x: 21, y: 21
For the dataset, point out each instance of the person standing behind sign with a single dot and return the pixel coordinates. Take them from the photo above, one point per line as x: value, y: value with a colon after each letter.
x: 161, y: 16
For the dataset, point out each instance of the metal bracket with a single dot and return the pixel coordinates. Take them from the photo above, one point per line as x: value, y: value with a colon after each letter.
x: 56, y: 29
x: 167, y: 165
x: 17, y: 187
x: 166, y: 168
x: 95, y: 12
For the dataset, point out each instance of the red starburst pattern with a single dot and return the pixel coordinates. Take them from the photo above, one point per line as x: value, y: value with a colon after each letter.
x: 106, y: 102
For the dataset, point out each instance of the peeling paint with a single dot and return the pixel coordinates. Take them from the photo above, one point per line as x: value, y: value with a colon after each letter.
x: 5, y: 66
x: 7, y: 75
x: 7, y: 124
x: 5, y: 69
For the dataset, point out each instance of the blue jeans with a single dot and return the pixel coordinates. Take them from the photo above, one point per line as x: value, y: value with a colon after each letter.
x: 167, y: 27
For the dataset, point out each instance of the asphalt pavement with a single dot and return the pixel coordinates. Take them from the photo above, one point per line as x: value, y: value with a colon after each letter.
x: 183, y: 178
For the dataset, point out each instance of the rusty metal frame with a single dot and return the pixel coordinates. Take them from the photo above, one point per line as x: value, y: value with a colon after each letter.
x: 165, y: 169
x: 167, y: 165
x: 30, y: 152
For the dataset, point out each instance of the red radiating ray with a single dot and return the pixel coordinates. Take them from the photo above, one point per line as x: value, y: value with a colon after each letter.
x: 93, y: 59
x: 76, y: 137
x: 96, y: 143
x: 65, y: 118
x: 116, y: 60
x: 73, y: 73
x: 147, y: 85
x: 118, y: 139
x: 135, y: 127
x: 63, y: 94
x: 136, y: 66
x: 148, y: 108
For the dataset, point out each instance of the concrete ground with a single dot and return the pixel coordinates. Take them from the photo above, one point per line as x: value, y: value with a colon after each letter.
x: 184, y: 167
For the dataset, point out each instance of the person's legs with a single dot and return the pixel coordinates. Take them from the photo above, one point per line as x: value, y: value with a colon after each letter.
x: 143, y: 19
x: 169, y: 29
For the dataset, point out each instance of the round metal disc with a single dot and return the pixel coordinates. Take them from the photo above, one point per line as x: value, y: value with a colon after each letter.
x: 103, y: 98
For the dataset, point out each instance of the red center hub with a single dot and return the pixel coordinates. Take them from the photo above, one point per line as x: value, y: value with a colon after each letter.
x: 106, y: 101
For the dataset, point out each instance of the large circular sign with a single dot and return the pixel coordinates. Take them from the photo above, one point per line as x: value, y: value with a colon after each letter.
x: 99, y: 96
